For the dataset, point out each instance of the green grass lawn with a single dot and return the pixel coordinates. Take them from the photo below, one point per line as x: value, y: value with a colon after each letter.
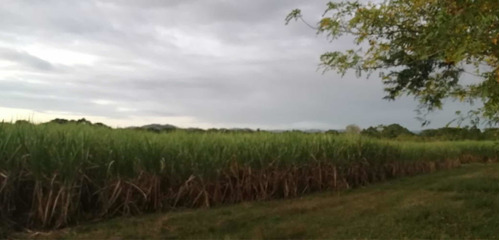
x: 459, y: 203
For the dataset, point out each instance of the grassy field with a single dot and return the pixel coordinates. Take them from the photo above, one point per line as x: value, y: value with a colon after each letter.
x: 56, y: 175
x: 461, y: 203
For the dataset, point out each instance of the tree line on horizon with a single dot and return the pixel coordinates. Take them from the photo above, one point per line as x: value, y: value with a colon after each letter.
x: 391, y: 131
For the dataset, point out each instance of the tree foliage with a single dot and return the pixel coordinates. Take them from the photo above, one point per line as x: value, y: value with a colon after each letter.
x: 429, y: 49
x: 390, y: 131
x: 467, y: 133
x: 352, y: 129
x: 398, y: 132
x: 82, y: 121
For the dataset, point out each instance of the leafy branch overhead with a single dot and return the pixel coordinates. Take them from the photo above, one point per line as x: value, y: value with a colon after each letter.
x: 430, y: 49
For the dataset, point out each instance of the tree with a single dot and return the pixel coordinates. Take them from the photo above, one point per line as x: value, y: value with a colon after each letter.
x: 332, y: 132
x: 371, y: 132
x: 352, y: 129
x: 390, y: 131
x: 490, y: 134
x: 453, y: 133
x: 395, y: 130
x: 83, y: 121
x: 421, y: 48
x: 59, y: 121
x: 19, y: 122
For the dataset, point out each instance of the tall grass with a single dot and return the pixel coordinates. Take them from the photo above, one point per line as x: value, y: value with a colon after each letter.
x: 52, y: 175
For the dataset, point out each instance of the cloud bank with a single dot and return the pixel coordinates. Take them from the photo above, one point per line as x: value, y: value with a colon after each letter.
x: 189, y: 63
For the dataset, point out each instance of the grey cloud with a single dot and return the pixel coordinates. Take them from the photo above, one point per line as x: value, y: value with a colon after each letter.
x: 225, y: 63
x: 25, y: 60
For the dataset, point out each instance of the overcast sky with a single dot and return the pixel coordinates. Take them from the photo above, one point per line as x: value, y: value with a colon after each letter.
x: 188, y: 63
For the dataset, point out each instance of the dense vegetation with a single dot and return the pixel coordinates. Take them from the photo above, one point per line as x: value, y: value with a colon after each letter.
x: 396, y: 131
x: 55, y: 174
